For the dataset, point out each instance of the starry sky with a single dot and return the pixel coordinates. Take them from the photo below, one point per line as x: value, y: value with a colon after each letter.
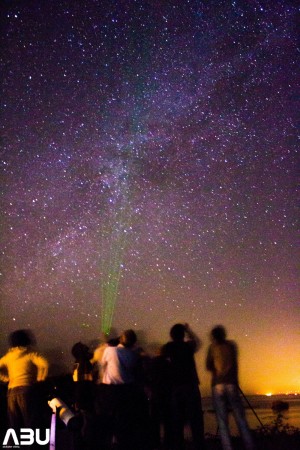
x: 148, y: 175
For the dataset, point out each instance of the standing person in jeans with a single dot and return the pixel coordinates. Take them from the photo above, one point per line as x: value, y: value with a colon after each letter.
x: 222, y: 362
x: 186, y: 403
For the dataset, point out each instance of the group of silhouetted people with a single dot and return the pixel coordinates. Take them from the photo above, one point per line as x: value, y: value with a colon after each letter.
x: 121, y: 398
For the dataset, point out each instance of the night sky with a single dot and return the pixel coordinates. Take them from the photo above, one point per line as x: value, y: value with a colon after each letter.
x: 148, y: 175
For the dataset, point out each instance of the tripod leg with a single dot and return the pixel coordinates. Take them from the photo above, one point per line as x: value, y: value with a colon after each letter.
x: 252, y: 409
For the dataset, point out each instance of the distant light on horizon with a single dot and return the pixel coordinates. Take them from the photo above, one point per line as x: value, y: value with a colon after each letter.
x: 287, y: 393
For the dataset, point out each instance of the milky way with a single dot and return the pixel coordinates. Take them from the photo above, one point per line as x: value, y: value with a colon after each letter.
x: 148, y: 173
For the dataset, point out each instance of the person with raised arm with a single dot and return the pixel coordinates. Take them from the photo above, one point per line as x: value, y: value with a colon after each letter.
x: 186, y: 405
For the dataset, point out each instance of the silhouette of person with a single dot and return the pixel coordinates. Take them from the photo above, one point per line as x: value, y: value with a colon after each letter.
x: 120, y: 397
x: 158, y: 373
x: 185, y: 394
x: 98, y: 354
x: 83, y: 396
x: 22, y: 368
x: 83, y: 376
x: 222, y: 362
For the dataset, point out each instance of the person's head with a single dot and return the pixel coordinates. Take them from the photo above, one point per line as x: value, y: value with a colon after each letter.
x: 21, y: 338
x: 218, y: 334
x: 113, y: 342
x: 177, y: 332
x: 81, y: 351
x: 128, y: 338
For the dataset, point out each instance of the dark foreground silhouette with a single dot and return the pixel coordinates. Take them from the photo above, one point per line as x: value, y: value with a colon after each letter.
x: 132, y: 402
x: 275, y: 436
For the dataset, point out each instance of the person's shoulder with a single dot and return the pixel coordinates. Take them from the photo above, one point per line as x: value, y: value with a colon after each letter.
x: 36, y: 358
x: 120, y: 348
x: 109, y: 349
x: 191, y: 344
x: 164, y: 346
x: 165, y: 349
x: 35, y: 355
x: 98, y: 352
x: 232, y: 345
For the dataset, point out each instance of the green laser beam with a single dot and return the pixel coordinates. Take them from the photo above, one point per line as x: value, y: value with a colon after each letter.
x: 115, y: 237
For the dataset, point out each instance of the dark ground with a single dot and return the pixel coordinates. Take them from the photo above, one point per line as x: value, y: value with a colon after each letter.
x: 279, y: 437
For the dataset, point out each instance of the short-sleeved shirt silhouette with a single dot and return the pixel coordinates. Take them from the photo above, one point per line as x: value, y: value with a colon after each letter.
x: 119, y: 365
